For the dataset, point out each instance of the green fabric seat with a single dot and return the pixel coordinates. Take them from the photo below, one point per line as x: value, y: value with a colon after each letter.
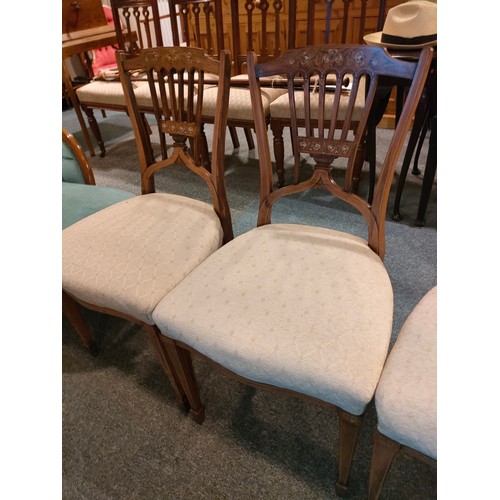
x: 78, y: 198
x: 82, y: 200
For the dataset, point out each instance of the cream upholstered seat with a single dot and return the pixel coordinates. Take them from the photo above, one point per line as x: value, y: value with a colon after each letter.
x: 263, y: 312
x: 138, y: 250
x: 294, y: 308
x: 124, y: 259
x: 406, y: 396
x: 240, y: 104
x: 105, y: 93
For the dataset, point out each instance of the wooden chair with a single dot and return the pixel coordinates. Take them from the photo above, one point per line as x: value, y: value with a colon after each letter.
x: 196, y: 23
x: 300, y: 309
x: 124, y: 259
x: 138, y: 17
x: 406, y: 396
x: 303, y: 31
x: 203, y: 25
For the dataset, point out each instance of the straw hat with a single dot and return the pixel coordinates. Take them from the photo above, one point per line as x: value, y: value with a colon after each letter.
x: 410, y: 25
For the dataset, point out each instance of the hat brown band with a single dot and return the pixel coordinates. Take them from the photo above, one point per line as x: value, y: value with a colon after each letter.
x: 399, y: 40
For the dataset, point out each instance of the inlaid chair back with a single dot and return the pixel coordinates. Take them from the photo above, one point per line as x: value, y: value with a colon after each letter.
x: 200, y: 24
x: 326, y: 123
x: 175, y: 77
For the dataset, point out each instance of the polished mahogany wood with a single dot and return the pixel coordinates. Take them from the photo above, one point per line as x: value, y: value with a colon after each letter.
x: 80, y: 15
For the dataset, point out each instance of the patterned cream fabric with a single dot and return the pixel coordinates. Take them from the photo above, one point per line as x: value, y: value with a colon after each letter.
x: 128, y: 256
x: 112, y: 93
x: 280, y: 108
x: 105, y: 92
x: 298, y: 307
x: 240, y: 104
x: 406, y: 398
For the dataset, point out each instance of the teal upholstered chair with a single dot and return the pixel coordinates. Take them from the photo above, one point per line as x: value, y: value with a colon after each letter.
x: 406, y: 396
x: 80, y: 196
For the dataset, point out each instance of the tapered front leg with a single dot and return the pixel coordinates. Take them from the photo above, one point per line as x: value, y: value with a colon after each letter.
x: 94, y: 126
x: 279, y: 152
x: 384, y: 451
x: 154, y: 336
x: 349, y: 428
x: 183, y: 365
x: 72, y: 312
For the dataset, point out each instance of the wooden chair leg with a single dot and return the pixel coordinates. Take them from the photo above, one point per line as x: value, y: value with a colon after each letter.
x: 384, y: 451
x: 417, y: 129
x: 94, y: 126
x: 358, y: 167
x: 154, y: 336
x: 205, y: 155
x: 429, y: 174
x: 371, y: 155
x: 183, y: 366
x: 72, y: 312
x: 249, y: 138
x: 349, y: 428
x: 279, y: 152
x: 234, y: 137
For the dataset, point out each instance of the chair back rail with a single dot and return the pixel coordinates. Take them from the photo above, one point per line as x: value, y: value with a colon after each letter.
x: 326, y: 135
x: 176, y: 83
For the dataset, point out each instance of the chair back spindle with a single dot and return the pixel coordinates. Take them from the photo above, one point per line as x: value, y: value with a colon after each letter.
x: 201, y: 24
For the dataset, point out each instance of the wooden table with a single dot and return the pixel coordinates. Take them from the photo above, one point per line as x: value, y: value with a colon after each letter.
x: 75, y: 43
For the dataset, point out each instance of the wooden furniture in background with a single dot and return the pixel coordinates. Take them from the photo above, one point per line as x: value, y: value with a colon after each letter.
x: 196, y: 23
x: 83, y: 28
x: 80, y: 15
x: 425, y: 121
x: 136, y: 26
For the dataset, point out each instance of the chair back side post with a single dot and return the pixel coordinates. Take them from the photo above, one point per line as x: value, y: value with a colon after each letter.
x: 176, y: 82
x: 141, y: 17
x: 324, y: 134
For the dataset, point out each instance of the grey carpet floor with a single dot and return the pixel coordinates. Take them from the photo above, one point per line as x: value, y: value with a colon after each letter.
x: 124, y: 436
